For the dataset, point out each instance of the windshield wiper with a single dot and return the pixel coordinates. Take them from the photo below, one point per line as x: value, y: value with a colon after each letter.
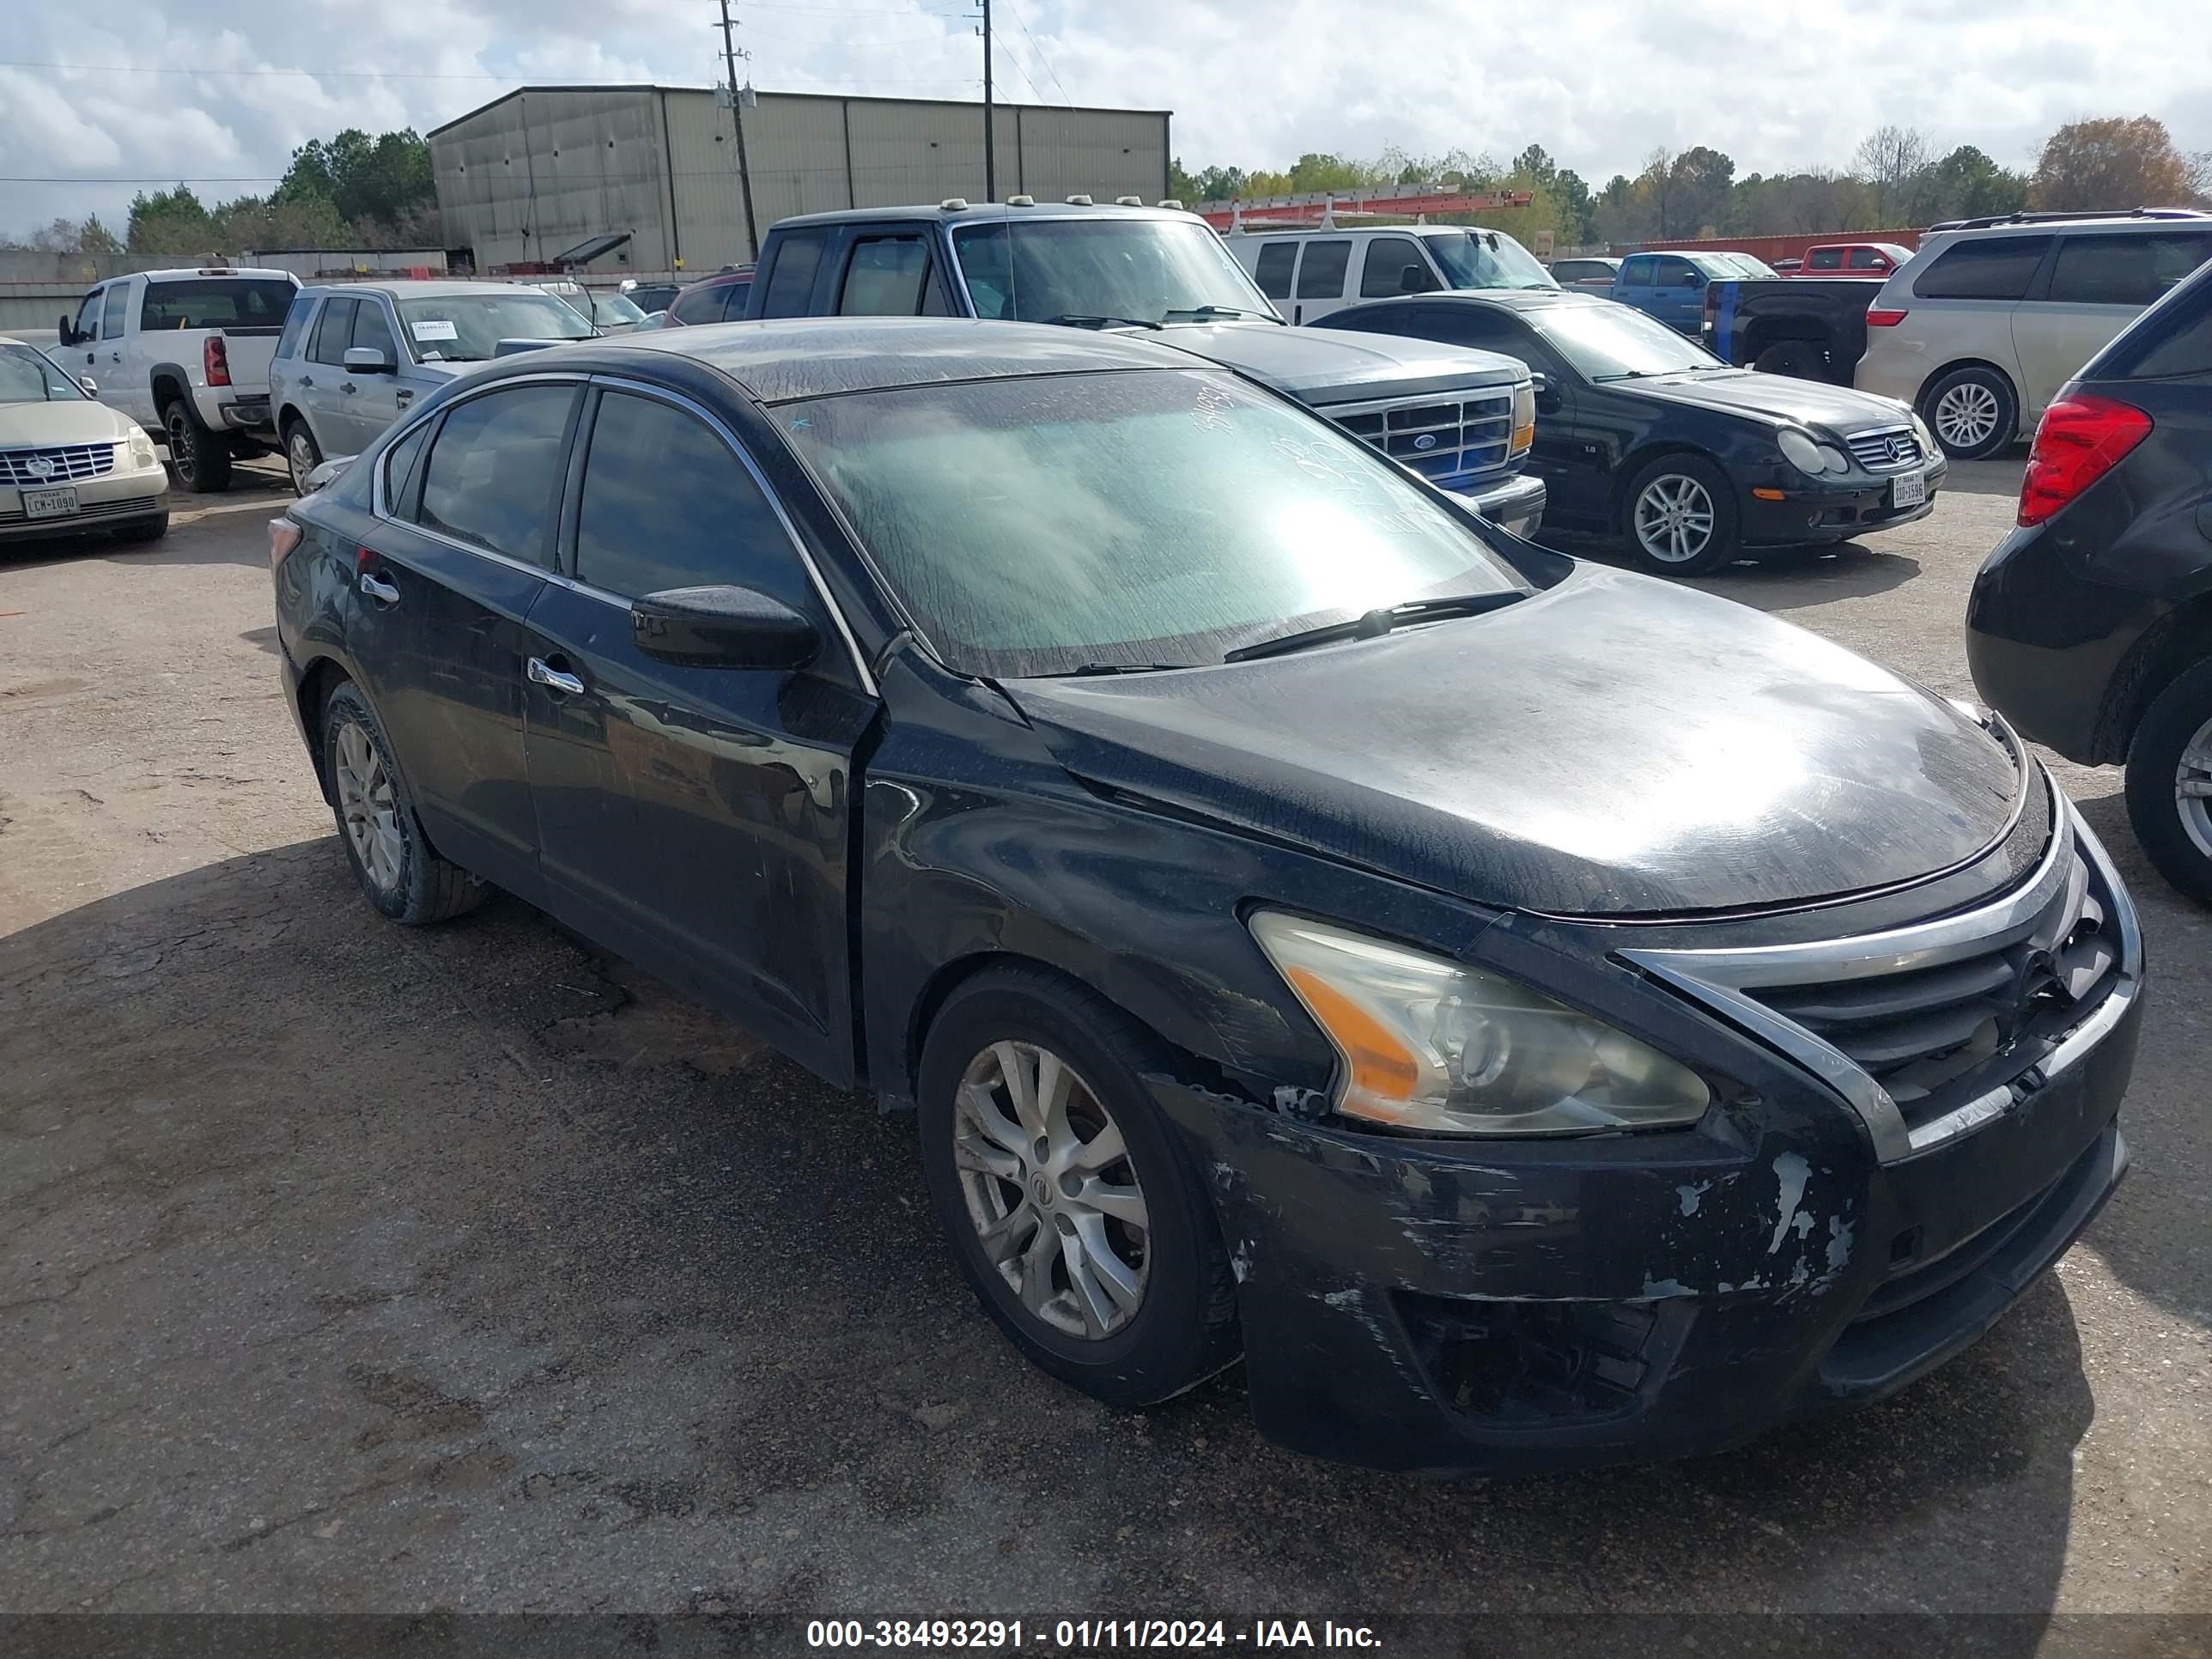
x: 1220, y: 311
x: 1084, y: 671
x: 1375, y: 622
x: 1079, y: 319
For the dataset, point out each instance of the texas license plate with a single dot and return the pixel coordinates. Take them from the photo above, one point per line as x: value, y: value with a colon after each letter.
x: 48, y: 503
x: 1908, y: 489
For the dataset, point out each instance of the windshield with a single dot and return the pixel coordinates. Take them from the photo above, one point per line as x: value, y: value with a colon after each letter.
x: 612, y: 310
x: 467, y: 328
x: 1144, y: 270
x: 1035, y: 526
x: 1736, y: 264
x: 1485, y: 258
x: 30, y: 376
x: 1609, y: 341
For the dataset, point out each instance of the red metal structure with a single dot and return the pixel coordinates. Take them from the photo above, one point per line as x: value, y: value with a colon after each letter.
x: 1319, y: 208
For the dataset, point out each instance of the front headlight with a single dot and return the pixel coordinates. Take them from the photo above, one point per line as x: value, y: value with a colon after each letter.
x: 1443, y: 1048
x: 141, y: 450
x: 1925, y: 438
x: 1812, y: 459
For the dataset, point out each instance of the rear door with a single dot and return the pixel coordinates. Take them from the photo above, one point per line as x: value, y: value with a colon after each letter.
x: 316, y: 386
x: 1323, y: 265
x: 697, y: 819
x: 463, y: 555
x: 2095, y: 287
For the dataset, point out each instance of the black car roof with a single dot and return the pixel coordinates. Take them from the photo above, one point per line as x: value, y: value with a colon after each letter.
x: 813, y: 357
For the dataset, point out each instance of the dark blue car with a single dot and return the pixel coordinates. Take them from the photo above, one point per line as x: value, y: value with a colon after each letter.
x: 1310, y: 923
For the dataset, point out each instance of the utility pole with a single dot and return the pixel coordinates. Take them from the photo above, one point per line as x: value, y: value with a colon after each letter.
x: 990, y: 145
x: 730, y: 55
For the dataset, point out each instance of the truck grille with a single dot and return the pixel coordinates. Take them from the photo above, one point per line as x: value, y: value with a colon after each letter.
x: 1441, y: 440
x: 32, y: 468
x: 1887, y: 449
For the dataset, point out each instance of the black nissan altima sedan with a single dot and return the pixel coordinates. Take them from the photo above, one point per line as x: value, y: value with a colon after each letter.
x: 1648, y: 437
x: 1535, y: 1014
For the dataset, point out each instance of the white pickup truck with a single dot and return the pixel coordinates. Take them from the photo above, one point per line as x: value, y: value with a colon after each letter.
x: 185, y: 354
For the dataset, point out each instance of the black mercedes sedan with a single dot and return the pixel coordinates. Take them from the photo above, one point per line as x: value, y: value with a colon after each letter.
x: 1534, y: 1014
x: 1646, y: 436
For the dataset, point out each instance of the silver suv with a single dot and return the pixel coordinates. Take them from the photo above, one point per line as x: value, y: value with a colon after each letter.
x: 355, y: 356
x: 1983, y: 325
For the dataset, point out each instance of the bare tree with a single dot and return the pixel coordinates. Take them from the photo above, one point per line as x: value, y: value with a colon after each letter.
x: 1655, y: 186
x: 1890, y: 158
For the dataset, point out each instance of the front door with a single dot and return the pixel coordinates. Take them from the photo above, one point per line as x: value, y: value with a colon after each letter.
x: 1678, y: 295
x: 697, y: 819
x: 120, y: 388
x: 440, y: 626
x: 366, y: 403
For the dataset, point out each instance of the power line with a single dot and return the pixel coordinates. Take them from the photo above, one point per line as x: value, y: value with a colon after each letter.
x: 315, y: 75
x: 153, y: 179
x: 1040, y: 58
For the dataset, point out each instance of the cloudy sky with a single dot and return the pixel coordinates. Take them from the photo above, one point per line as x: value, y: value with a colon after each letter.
x: 207, y: 91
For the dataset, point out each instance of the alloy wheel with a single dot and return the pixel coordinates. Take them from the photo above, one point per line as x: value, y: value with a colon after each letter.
x: 370, y: 808
x: 1965, y: 415
x: 2192, y: 788
x: 299, y: 455
x: 1675, y: 519
x: 182, y: 456
x: 1050, y: 1189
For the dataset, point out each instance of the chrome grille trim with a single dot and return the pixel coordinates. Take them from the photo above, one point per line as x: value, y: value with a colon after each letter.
x: 1469, y: 435
x: 63, y: 463
x: 2048, y: 903
x: 1884, y: 449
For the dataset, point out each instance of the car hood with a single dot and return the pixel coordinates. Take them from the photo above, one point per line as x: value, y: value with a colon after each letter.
x: 73, y: 421
x: 1776, y: 397
x: 1338, y: 366
x: 1617, y: 746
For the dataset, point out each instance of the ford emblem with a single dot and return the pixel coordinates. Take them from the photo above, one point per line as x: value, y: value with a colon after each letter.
x: 1426, y: 440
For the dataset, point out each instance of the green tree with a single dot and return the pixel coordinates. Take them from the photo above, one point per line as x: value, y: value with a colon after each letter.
x: 1576, y: 202
x: 1702, y: 180
x: 171, y: 221
x: 1968, y: 184
x: 380, y: 178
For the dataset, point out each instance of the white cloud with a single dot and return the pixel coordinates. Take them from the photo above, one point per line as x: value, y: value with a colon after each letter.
x: 1253, y: 82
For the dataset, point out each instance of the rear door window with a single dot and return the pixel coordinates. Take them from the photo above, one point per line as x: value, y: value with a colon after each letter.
x: 634, y: 535
x: 1384, y: 273
x: 1636, y: 273
x: 791, y: 280
x: 334, y: 333
x: 1321, y: 273
x: 1825, y: 258
x: 2129, y: 270
x: 884, y: 277
x: 1277, y: 261
x: 495, y: 469
x: 1991, y: 268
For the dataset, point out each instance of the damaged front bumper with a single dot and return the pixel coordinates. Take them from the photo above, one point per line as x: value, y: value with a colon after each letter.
x: 1517, y: 1306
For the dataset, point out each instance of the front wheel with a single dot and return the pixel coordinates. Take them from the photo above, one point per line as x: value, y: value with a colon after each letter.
x: 399, y: 871
x: 200, y: 458
x: 1074, y: 1215
x: 1972, y: 413
x: 2170, y: 783
x: 145, y: 530
x: 1682, y: 518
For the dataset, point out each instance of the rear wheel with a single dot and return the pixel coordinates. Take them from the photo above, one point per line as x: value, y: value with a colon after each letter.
x: 1074, y: 1212
x: 1972, y: 411
x: 399, y: 871
x: 302, y: 454
x: 1682, y: 517
x: 1799, y: 358
x: 200, y: 458
x: 2170, y: 783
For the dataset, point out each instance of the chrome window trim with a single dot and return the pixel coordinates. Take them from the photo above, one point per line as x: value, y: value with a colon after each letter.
x: 1719, y: 978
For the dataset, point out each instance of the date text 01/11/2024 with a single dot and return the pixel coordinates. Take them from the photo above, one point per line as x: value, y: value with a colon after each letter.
x: 1083, y: 1635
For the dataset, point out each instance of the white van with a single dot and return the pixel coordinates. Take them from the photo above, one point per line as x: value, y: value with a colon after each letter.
x: 1310, y: 273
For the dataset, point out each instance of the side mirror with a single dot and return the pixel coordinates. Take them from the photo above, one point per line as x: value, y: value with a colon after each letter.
x: 1547, y: 394
x: 367, y: 360
x: 91, y: 386
x: 1415, y: 279
x: 1697, y: 279
x: 723, y: 627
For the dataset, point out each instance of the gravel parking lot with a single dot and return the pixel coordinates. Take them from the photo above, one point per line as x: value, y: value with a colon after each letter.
x: 345, y: 1267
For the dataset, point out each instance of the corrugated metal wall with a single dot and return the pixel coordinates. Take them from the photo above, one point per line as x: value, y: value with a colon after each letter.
x: 548, y: 168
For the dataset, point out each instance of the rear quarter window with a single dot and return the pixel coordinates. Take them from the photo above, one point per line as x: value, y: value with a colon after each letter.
x: 292, y: 341
x: 1276, y: 260
x: 1991, y: 268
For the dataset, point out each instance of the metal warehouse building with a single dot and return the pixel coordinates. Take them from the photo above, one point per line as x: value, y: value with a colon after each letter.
x: 546, y: 170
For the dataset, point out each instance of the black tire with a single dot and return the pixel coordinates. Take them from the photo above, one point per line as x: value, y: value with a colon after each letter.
x: 423, y: 887
x: 1800, y: 359
x: 302, y: 454
x: 1723, y: 543
x: 144, y: 530
x: 1974, y: 389
x: 2180, y: 718
x: 1184, y: 1328
x: 199, y: 458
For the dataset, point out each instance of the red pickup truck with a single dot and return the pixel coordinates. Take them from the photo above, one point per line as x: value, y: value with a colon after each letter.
x: 1852, y: 259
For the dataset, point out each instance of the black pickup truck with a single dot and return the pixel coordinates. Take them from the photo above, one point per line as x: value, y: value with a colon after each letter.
x: 1812, y: 327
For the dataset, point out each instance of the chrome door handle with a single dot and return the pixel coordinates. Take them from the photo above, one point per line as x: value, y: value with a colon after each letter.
x: 376, y: 588
x: 553, y: 678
